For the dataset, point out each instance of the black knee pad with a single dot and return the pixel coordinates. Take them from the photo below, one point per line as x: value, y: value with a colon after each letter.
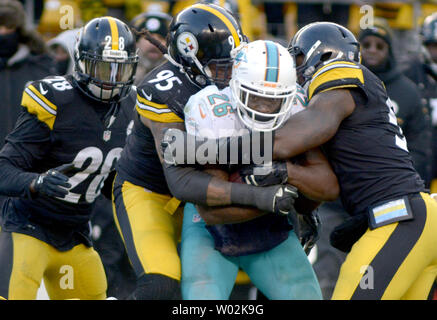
x: 156, y: 287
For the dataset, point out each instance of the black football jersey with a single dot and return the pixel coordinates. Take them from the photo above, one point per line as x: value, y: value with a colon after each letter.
x: 369, y: 153
x: 161, y: 97
x: 58, y: 125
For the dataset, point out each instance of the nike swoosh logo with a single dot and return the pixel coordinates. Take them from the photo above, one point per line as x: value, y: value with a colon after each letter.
x: 201, y: 113
x: 41, y: 89
x: 147, y: 96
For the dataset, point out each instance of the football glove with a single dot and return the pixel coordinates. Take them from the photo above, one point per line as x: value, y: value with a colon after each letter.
x: 283, y: 200
x: 307, y: 228
x: 265, y: 175
x: 53, y: 182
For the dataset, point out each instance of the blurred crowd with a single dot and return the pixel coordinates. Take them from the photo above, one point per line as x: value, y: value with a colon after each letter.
x: 37, y: 40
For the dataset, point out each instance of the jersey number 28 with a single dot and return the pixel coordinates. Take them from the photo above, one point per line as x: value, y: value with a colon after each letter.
x: 90, y: 160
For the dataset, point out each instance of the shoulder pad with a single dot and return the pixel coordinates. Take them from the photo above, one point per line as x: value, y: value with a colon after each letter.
x: 203, y: 116
x: 43, y: 97
x: 152, y: 103
x: 336, y: 75
x: 198, y: 103
x: 148, y: 108
x: 38, y: 98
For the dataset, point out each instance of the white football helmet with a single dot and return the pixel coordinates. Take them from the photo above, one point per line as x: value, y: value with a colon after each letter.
x: 264, y: 69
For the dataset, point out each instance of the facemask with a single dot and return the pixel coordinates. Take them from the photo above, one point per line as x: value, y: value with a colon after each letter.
x: 9, y: 44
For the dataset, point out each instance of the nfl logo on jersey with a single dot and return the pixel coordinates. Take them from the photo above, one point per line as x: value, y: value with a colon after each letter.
x: 106, y: 135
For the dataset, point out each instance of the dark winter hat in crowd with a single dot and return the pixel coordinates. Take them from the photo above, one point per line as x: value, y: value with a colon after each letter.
x: 377, y: 30
x: 155, y: 22
x: 12, y: 14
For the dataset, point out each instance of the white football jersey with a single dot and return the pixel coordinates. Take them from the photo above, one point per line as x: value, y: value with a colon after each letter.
x: 212, y: 112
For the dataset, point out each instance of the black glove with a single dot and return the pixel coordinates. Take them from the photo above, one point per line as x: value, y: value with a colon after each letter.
x: 310, y: 226
x: 265, y: 175
x: 307, y: 228
x: 52, y: 182
x: 283, y: 201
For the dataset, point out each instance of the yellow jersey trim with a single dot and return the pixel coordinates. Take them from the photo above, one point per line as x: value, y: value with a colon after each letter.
x: 150, y: 103
x: 33, y: 102
x: 336, y: 71
x: 39, y: 95
x: 339, y: 87
x: 159, y: 117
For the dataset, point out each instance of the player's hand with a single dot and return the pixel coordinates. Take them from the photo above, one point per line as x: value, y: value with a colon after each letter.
x: 265, y: 175
x: 53, y: 182
x: 283, y: 201
x: 309, y: 230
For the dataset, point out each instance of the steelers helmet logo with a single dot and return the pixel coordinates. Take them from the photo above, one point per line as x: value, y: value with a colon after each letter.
x: 187, y: 44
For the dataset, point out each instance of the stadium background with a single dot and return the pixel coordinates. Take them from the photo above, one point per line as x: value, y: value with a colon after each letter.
x: 260, y: 19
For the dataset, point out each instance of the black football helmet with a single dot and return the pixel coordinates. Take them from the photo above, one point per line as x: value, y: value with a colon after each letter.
x: 428, y: 31
x: 320, y: 42
x: 105, y: 59
x: 200, y: 40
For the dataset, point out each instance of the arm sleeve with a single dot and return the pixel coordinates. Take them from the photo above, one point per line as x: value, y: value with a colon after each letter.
x: 14, y: 182
x: 25, y: 146
x: 182, y: 180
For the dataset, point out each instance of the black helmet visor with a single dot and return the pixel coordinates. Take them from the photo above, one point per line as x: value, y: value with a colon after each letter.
x: 110, y: 72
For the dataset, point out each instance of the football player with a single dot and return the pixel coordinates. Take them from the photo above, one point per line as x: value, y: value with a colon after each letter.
x: 146, y: 211
x: 66, y: 142
x: 390, y: 235
x: 262, y: 95
x: 351, y: 116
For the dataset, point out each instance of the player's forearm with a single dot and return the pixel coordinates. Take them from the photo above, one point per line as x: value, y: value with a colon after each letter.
x: 190, y: 185
x: 14, y: 181
x: 316, y: 182
x: 313, y: 126
x: 302, y: 132
x: 228, y: 214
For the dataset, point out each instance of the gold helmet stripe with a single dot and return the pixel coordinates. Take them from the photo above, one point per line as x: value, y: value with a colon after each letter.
x: 114, y: 32
x: 223, y: 18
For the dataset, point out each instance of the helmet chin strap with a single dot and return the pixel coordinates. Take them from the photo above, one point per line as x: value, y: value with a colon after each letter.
x: 199, y: 80
x: 173, y: 62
